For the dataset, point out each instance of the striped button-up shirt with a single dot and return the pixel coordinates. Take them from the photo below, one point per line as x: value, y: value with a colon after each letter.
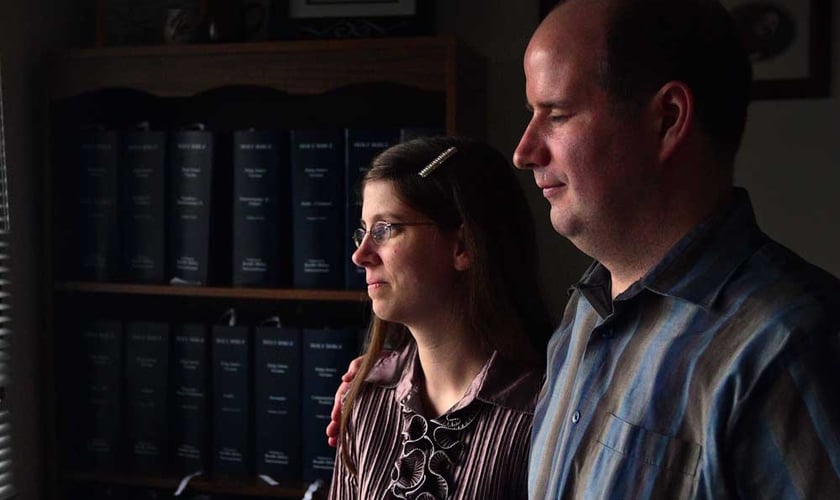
x: 477, y: 450
x: 714, y: 376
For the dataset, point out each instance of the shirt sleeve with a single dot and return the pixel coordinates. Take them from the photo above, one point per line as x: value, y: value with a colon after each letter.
x: 786, y: 439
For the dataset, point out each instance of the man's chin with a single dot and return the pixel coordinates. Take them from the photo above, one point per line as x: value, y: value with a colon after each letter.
x: 561, y: 222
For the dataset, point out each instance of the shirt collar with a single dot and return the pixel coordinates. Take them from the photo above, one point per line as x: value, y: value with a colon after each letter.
x: 500, y: 382
x: 697, y: 267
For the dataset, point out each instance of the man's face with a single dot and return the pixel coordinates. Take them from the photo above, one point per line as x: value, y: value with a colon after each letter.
x: 590, y: 164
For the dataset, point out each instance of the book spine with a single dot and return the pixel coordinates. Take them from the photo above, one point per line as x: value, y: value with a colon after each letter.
x: 146, y: 395
x: 100, y: 414
x: 231, y: 413
x: 326, y: 354
x: 142, y: 159
x: 191, y: 155
x: 190, y: 400
x: 317, y: 172
x: 257, y: 212
x: 277, y: 360
x: 362, y: 146
x: 99, y: 252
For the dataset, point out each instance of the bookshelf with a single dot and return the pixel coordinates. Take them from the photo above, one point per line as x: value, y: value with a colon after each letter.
x: 438, y: 66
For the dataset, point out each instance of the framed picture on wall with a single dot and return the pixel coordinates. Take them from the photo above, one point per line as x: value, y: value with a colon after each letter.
x: 356, y: 18
x: 351, y: 8
x: 788, y: 42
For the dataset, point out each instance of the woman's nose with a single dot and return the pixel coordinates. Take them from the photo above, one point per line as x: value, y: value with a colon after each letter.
x: 365, y: 254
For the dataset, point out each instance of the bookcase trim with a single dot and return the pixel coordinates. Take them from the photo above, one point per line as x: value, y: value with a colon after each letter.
x: 213, y: 292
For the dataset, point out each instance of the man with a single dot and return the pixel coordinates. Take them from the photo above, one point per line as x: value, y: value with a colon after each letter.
x: 697, y: 357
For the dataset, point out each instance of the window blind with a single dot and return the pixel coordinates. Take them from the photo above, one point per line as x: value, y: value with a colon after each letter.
x: 6, y: 480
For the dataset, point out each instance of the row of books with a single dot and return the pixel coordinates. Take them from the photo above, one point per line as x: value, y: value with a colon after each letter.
x: 164, y: 398
x: 262, y: 208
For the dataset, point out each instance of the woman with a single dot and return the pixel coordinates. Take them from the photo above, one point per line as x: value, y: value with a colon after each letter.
x: 443, y: 403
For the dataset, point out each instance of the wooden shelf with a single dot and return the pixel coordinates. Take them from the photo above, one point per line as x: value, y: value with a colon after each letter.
x: 301, y: 67
x: 236, y: 486
x: 434, y: 63
x: 212, y: 292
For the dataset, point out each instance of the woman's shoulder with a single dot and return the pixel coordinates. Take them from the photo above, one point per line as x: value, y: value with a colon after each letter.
x: 511, y: 384
x: 389, y: 368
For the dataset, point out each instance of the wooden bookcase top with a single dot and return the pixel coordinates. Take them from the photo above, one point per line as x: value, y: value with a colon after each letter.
x: 438, y: 63
x: 212, y: 292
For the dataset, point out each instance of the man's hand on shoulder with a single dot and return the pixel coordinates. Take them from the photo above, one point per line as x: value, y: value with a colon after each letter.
x: 334, y: 426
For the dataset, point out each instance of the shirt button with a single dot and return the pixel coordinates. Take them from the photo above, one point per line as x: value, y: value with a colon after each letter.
x: 575, y: 417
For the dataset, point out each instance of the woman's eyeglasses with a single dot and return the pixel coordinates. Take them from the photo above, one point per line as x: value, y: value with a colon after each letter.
x: 381, y: 231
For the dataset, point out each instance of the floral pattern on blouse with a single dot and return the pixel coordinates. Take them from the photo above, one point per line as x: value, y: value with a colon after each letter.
x: 429, y: 449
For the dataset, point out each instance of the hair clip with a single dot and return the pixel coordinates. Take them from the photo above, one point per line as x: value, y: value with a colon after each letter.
x: 428, y: 169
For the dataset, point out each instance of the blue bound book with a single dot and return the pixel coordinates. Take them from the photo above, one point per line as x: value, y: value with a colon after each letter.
x: 98, y: 204
x: 231, y: 415
x: 259, y: 208
x: 326, y: 354
x: 277, y: 373
x: 317, y: 172
x: 99, y: 404
x: 146, y: 395
x: 142, y: 159
x: 191, y: 157
x: 190, y: 399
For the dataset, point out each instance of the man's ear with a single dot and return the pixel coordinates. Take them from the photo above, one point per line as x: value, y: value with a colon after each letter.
x: 462, y: 257
x: 674, y: 107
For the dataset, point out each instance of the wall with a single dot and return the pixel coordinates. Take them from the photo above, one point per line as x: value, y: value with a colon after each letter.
x: 19, y: 49
x: 25, y: 29
x: 500, y: 34
x: 790, y: 162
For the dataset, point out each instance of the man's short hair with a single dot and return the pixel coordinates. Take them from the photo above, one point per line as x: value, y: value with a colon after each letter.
x: 651, y: 42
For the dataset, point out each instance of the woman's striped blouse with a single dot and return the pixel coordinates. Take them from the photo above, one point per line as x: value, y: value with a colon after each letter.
x: 477, y: 450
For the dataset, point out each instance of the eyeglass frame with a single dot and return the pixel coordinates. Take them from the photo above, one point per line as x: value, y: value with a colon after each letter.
x: 358, y: 235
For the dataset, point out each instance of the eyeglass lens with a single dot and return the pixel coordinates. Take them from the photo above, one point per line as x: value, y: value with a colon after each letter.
x: 379, y: 232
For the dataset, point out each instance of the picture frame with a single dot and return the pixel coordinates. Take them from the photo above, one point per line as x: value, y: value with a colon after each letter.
x: 789, y: 43
x: 355, y: 18
x: 351, y: 8
x: 785, y: 67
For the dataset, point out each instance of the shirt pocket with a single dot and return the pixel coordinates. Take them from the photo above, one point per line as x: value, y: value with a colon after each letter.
x: 632, y: 458
x: 650, y: 447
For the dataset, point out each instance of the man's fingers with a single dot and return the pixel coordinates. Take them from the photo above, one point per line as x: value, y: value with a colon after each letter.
x: 339, y: 398
x: 353, y: 369
x: 334, y: 426
x: 332, y: 433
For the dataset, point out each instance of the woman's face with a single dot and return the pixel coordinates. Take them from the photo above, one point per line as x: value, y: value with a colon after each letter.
x: 412, y: 275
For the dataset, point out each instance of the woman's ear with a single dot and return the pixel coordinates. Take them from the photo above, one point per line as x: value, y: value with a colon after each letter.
x: 462, y: 257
